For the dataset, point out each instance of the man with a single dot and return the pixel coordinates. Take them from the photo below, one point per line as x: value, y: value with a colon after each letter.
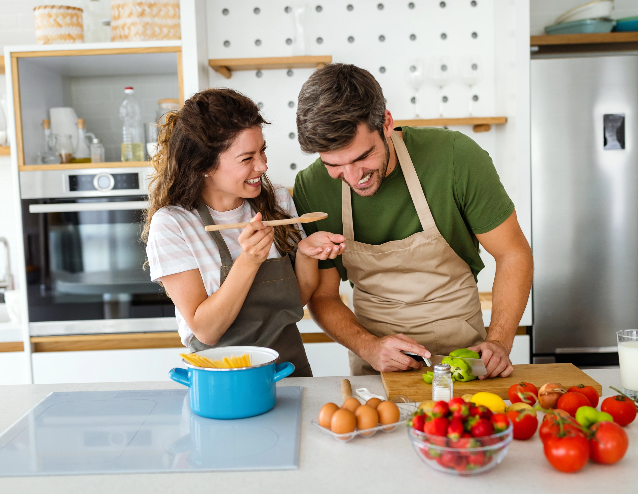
x: 424, y: 199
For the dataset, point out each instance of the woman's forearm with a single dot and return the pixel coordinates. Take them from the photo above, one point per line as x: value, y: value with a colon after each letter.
x: 307, y: 271
x: 214, y: 315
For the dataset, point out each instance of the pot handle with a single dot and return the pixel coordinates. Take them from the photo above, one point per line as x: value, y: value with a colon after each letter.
x: 179, y: 375
x: 283, y: 370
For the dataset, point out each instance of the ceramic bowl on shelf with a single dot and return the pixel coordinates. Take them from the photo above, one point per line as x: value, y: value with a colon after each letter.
x: 582, y: 27
x: 465, y: 457
x: 626, y: 24
x: 599, y: 9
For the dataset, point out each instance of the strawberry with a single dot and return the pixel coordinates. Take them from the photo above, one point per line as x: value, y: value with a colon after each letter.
x: 455, y: 403
x: 500, y: 422
x: 418, y: 422
x: 448, y: 459
x: 462, y: 412
x: 440, y: 409
x: 455, y: 429
x: 486, y: 413
x: 436, y: 426
x: 476, y: 459
x: 481, y: 428
x: 461, y: 463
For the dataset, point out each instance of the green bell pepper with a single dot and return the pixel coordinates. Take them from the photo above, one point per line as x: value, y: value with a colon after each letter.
x: 428, y: 377
x: 461, y: 371
x: 464, y: 353
x: 588, y: 416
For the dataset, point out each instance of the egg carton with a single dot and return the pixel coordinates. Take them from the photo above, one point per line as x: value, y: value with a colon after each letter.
x: 406, y: 408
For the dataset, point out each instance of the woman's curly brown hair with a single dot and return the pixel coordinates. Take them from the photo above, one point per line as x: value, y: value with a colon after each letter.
x: 189, y: 145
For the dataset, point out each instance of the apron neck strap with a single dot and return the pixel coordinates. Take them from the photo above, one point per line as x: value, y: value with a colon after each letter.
x: 207, y: 219
x: 414, y: 184
x: 346, y: 212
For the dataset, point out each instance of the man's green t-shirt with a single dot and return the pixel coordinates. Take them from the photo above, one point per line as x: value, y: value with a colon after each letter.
x: 461, y: 186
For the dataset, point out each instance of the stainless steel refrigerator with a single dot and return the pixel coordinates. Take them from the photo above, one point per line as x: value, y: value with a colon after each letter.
x: 584, y: 206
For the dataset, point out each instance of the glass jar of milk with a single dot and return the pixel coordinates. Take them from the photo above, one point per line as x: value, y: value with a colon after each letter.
x: 628, y: 357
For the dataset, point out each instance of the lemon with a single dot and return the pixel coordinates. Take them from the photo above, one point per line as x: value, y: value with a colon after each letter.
x: 521, y: 406
x: 494, y: 402
x: 467, y: 398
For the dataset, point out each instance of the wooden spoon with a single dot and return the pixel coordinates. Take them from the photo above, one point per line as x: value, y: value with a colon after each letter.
x: 305, y: 218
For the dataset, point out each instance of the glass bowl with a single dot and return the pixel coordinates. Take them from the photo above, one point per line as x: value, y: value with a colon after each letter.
x: 467, y: 456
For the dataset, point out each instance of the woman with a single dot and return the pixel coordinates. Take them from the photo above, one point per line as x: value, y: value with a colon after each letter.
x: 231, y: 287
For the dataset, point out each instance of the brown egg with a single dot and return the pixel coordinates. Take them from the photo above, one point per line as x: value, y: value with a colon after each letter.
x: 373, y: 402
x: 326, y: 413
x: 388, y: 412
x: 367, y: 418
x: 351, y: 404
x: 343, y: 422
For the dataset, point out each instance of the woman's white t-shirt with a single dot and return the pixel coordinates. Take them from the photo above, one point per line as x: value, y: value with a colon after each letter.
x: 177, y: 242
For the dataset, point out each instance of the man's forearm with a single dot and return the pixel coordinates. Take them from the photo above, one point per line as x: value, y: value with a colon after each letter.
x: 338, y: 322
x: 512, y: 284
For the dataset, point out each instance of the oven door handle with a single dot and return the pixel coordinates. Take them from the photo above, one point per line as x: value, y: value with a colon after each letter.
x: 76, y: 207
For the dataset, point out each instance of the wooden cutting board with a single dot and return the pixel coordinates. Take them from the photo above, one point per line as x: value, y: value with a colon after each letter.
x: 411, y: 384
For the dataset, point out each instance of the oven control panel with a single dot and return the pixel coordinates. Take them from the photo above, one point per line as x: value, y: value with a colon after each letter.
x: 104, y: 182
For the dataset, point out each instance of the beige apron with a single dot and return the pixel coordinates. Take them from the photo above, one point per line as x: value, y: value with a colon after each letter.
x: 417, y: 286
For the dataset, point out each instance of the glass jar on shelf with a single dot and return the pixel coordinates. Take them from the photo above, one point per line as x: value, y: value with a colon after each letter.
x: 48, y: 154
x: 97, y: 151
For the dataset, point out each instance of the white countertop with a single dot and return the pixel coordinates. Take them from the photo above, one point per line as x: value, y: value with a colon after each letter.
x: 385, y: 463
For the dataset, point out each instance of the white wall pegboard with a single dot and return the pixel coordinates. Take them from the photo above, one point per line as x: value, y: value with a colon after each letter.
x: 369, y: 34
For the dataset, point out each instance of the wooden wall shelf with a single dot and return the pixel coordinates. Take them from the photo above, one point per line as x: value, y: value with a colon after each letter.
x: 480, y: 124
x: 82, y: 166
x: 5, y: 151
x: 575, y: 43
x: 226, y: 66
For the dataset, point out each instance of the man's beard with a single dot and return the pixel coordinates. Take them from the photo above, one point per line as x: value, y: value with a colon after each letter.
x: 373, y: 189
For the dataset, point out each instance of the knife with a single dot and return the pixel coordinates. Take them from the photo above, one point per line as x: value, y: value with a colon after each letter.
x: 476, y: 364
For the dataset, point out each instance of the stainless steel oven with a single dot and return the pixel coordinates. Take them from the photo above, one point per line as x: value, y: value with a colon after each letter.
x: 84, y: 257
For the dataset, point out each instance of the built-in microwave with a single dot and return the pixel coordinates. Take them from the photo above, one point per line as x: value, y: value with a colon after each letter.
x: 84, y: 257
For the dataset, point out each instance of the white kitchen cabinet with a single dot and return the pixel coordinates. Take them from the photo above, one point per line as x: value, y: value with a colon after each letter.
x: 105, y: 366
x: 326, y: 359
x: 520, y: 350
x: 13, y: 368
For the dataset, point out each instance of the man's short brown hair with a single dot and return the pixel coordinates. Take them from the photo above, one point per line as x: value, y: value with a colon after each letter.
x: 333, y: 102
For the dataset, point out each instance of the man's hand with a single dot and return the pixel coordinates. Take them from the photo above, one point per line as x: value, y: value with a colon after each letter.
x: 385, y: 354
x: 495, y: 357
x: 322, y: 245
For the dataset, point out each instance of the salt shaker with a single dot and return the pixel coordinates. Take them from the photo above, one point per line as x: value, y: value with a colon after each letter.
x: 442, y: 383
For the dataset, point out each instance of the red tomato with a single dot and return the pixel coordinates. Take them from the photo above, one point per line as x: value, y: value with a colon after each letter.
x: 588, y: 391
x: 525, y: 424
x: 609, y: 443
x: 620, y: 408
x: 568, y: 453
x: 551, y: 426
x: 523, y: 387
x: 570, y: 402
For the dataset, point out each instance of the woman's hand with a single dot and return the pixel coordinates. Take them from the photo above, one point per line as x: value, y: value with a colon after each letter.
x: 256, y: 241
x: 322, y: 245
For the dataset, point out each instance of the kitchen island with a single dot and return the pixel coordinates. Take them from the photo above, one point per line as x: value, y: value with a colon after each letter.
x: 384, y: 463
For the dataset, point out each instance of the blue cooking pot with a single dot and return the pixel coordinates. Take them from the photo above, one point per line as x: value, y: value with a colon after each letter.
x: 233, y: 393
